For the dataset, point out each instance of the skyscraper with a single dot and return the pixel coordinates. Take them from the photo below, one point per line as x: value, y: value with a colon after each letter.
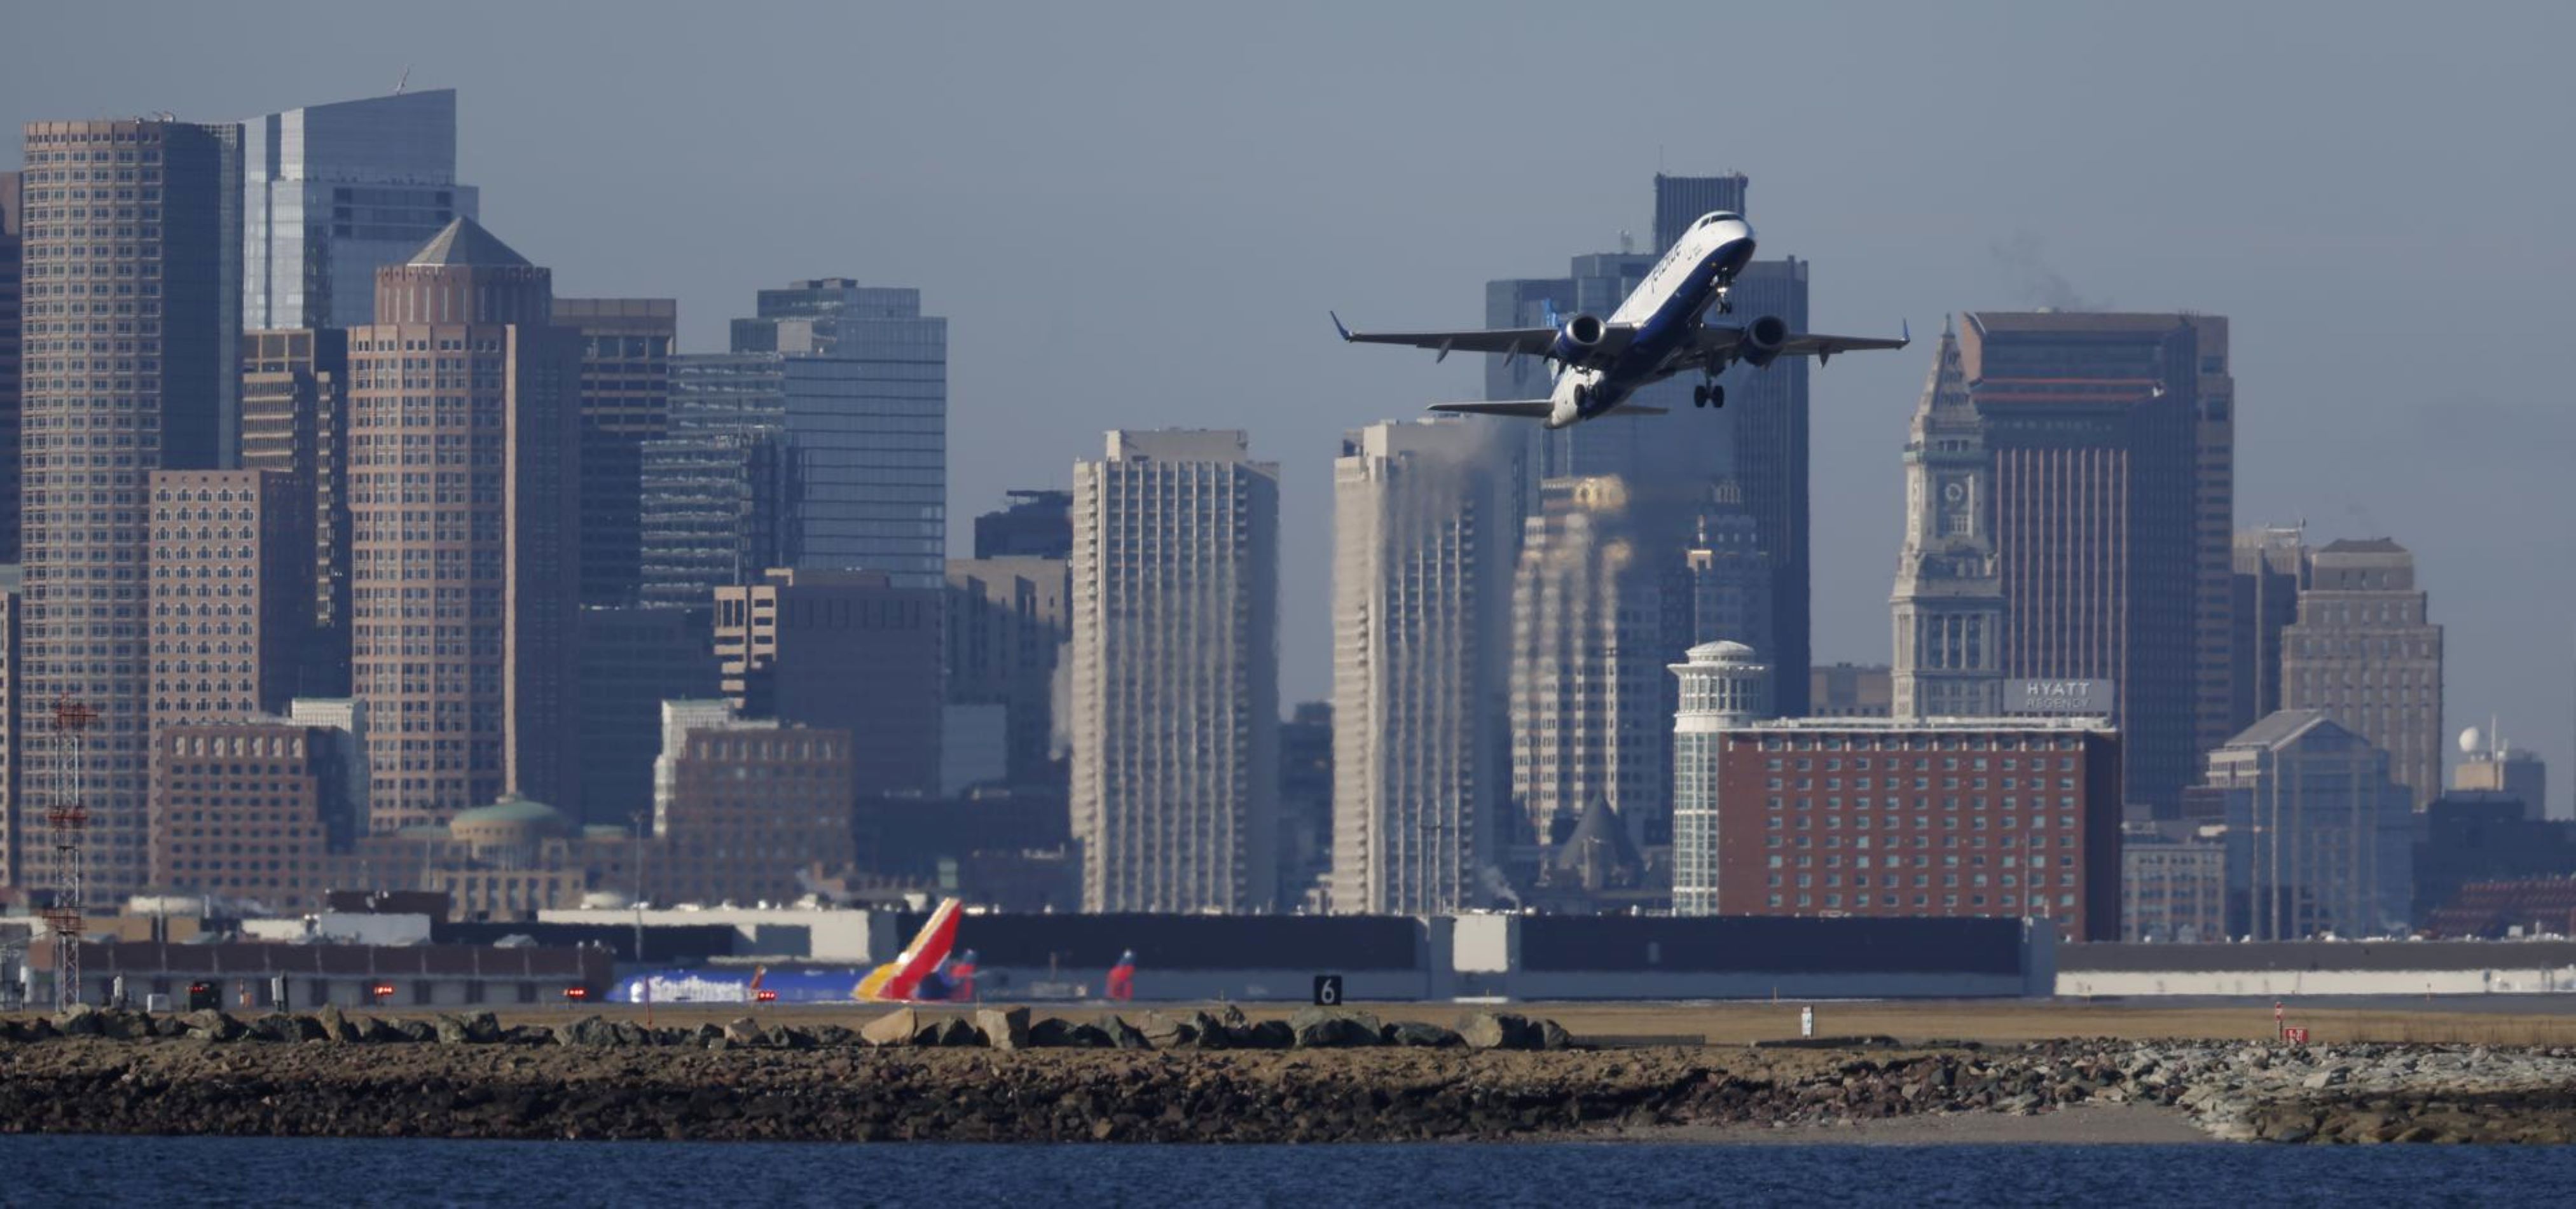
x: 1728, y: 573
x: 464, y: 468
x: 12, y: 265
x: 331, y: 193
x: 847, y: 650
x: 1037, y: 524
x: 295, y: 422
x: 865, y: 400
x: 2317, y: 832
x: 2112, y: 437
x: 625, y: 402
x: 1422, y: 558
x: 1008, y: 621
x: 1680, y: 200
x: 1175, y: 681
x: 1591, y: 714
x: 230, y: 567
x: 115, y: 390
x: 2364, y: 652
x: 1949, y: 603
x: 2271, y: 569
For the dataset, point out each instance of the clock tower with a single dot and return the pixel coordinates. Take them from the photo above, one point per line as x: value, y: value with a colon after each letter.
x: 1949, y: 598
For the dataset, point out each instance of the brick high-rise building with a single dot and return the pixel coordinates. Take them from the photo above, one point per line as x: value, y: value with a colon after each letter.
x: 1422, y: 565
x: 230, y: 564
x: 12, y: 265
x: 2365, y: 652
x: 625, y: 402
x: 753, y: 805
x: 250, y: 810
x: 295, y: 421
x: 1175, y: 699
x: 2112, y: 438
x: 1893, y: 817
x: 129, y: 368
x: 847, y: 650
x: 463, y: 473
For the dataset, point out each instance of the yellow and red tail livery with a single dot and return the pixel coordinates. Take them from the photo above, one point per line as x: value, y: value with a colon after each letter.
x: 899, y: 981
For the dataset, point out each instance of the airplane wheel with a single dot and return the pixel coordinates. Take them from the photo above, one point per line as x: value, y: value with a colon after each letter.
x: 1699, y: 396
x: 1717, y: 396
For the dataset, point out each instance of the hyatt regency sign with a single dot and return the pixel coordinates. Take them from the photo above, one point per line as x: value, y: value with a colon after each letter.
x: 2083, y: 698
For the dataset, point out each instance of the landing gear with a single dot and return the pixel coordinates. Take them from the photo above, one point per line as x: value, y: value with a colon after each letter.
x: 1708, y: 394
x: 1725, y: 298
x: 1582, y: 400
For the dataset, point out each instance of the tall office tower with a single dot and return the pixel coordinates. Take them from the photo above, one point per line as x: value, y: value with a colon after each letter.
x: 633, y: 658
x: 847, y: 650
x: 331, y: 193
x: 20, y: 829
x: 1680, y: 200
x: 133, y: 229
x: 1724, y: 686
x: 230, y: 568
x: 625, y: 402
x: 464, y: 445
x: 1728, y: 573
x: 2111, y: 436
x: 1175, y: 683
x: 2364, y: 652
x: 1037, y: 524
x: 295, y: 422
x: 715, y: 509
x: 1422, y: 562
x: 2317, y: 831
x: 2271, y: 569
x: 12, y: 265
x: 865, y: 398
x: 1008, y: 621
x: 1949, y: 603
x: 1590, y: 714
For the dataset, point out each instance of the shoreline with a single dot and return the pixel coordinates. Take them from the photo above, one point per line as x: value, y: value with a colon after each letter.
x: 2085, y: 1124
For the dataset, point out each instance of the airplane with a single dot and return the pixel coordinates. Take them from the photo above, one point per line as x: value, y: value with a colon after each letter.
x: 1657, y: 332
x: 901, y: 980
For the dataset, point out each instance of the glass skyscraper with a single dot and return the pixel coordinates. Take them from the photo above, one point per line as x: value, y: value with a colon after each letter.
x: 331, y: 193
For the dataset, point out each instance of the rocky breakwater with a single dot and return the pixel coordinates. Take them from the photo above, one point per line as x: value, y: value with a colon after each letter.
x: 1000, y: 1074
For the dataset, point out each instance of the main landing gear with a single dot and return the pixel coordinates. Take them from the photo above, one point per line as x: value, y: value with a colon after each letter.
x: 1708, y: 394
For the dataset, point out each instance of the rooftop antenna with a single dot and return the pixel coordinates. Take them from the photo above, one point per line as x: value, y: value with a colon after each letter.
x: 406, y: 79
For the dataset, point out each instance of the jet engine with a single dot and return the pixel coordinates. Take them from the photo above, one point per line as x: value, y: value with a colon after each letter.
x: 1576, y: 340
x: 1763, y: 339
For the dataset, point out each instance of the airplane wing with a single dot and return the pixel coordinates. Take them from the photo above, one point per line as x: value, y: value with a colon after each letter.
x: 1723, y: 340
x: 1532, y: 409
x: 1513, y: 341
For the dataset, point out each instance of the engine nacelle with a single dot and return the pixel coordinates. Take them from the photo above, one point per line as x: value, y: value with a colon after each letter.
x: 1763, y: 340
x: 1576, y: 340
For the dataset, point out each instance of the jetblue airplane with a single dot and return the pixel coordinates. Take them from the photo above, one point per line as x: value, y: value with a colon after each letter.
x: 1656, y: 333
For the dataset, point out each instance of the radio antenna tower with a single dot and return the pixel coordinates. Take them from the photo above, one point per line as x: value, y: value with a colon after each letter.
x: 68, y: 819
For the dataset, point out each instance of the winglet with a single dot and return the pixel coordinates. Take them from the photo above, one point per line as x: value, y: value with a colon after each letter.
x: 1337, y: 326
x: 1905, y: 331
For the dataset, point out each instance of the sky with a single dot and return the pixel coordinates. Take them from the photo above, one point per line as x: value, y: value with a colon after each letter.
x: 1136, y: 215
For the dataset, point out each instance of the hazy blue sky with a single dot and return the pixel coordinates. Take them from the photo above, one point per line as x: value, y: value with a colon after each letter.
x: 1136, y: 215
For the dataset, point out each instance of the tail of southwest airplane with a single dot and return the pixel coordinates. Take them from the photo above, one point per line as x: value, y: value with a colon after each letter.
x: 895, y: 981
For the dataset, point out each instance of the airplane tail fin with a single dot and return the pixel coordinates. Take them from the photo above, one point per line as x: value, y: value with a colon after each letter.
x: 896, y: 980
x: 1527, y: 409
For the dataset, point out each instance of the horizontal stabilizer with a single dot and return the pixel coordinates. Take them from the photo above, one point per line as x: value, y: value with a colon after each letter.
x: 1528, y: 409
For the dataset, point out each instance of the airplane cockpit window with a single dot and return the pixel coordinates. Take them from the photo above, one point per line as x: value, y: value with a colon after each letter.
x: 1718, y: 216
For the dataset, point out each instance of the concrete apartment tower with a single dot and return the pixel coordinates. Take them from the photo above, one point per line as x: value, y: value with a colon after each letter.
x: 1175, y: 682
x: 464, y: 468
x: 231, y: 572
x: 1949, y: 602
x: 331, y: 193
x: 2364, y: 652
x: 1724, y: 687
x: 2113, y: 439
x: 1422, y: 548
x: 156, y: 327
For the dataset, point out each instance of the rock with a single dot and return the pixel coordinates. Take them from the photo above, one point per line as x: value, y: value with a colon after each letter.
x: 449, y: 1030
x: 211, y: 1025
x: 1552, y: 1035
x: 1498, y: 1030
x: 528, y: 1034
x: 378, y: 1031
x: 1165, y: 1032
x: 746, y: 1031
x: 483, y: 1028
x: 1004, y: 1028
x: 1419, y: 1033
x: 959, y: 1033
x: 1209, y: 1032
x: 78, y: 1020
x: 902, y: 1026
x: 1269, y: 1034
x: 2326, y: 1078
x: 1333, y: 1032
x: 589, y: 1030
x: 335, y: 1024
x: 285, y: 1029
x: 418, y: 1032
x: 1123, y: 1035
x: 629, y: 1033
x: 170, y: 1026
x: 1088, y: 1036
x: 125, y: 1026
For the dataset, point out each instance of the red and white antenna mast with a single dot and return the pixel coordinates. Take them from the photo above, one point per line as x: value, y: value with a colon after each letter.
x: 68, y: 818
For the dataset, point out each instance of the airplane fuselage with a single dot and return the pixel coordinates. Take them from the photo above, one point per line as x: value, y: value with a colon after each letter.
x: 1664, y: 308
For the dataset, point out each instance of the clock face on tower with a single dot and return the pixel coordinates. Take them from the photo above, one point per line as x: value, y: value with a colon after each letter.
x: 1954, y: 495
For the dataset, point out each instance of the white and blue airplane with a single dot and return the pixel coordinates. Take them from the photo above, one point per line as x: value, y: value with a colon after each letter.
x: 1657, y: 332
